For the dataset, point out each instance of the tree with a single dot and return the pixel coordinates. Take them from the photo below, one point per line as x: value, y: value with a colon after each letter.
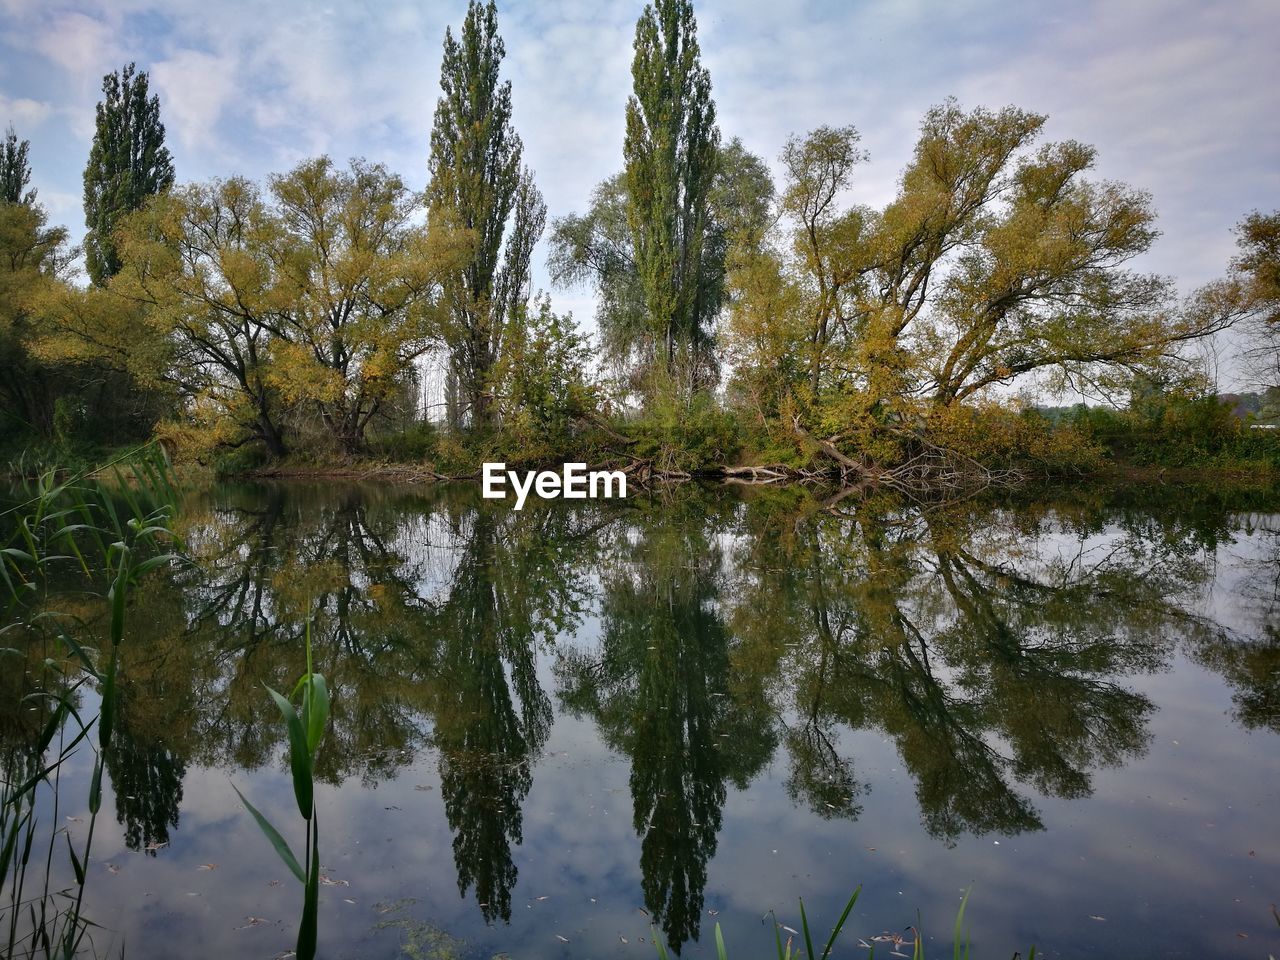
x: 15, y: 171
x: 670, y: 151
x: 1254, y: 283
x: 127, y: 163
x: 34, y: 261
x: 71, y: 360
x: 810, y: 307
x: 597, y: 248
x: 364, y: 286
x: 993, y: 262
x: 317, y: 300
x: 1258, y: 263
x: 543, y: 386
x: 478, y: 184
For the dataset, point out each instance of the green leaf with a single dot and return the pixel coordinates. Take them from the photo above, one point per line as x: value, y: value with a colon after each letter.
x: 955, y: 942
x: 317, y: 710
x: 95, y: 788
x: 804, y: 926
x: 299, y: 756
x: 75, y: 861
x: 307, y: 928
x: 272, y: 834
x: 835, y: 932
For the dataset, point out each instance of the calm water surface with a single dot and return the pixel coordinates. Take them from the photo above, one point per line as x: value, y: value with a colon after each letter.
x: 561, y: 731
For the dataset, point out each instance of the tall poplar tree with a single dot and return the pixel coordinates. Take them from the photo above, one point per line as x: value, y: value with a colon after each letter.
x: 127, y: 163
x: 670, y: 152
x: 15, y: 171
x: 477, y: 183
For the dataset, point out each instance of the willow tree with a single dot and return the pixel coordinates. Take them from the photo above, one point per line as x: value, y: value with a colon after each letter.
x: 317, y: 299
x: 127, y: 164
x: 670, y: 151
x: 15, y: 170
x: 995, y: 261
x: 477, y: 183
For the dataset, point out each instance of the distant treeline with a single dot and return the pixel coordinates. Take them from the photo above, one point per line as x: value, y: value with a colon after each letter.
x: 741, y: 321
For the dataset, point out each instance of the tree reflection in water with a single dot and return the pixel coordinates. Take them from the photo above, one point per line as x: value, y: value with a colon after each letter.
x: 995, y: 645
x: 661, y: 687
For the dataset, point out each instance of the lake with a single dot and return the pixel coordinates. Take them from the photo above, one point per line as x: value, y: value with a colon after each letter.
x: 562, y: 731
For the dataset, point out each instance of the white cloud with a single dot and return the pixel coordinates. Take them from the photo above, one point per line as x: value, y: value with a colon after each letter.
x: 1177, y: 96
x: 23, y: 111
x: 81, y: 45
x: 195, y: 87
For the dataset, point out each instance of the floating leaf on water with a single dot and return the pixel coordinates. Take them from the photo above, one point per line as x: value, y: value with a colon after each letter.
x: 328, y: 881
x: 155, y: 845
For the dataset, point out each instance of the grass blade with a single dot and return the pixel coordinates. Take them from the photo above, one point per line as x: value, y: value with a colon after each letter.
x: 281, y: 845
x: 955, y: 942
x: 835, y: 932
x: 299, y: 756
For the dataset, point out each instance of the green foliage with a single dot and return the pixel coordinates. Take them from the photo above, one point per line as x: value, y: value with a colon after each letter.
x: 597, y: 248
x: 685, y: 435
x: 544, y: 387
x: 127, y: 164
x: 15, y: 170
x: 416, y: 443
x: 293, y: 317
x: 1002, y: 438
x: 34, y: 261
x: 1179, y: 429
x: 671, y: 156
x: 477, y: 183
x: 113, y: 530
x: 306, y: 725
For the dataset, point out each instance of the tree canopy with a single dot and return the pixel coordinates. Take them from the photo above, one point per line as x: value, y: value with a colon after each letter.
x: 314, y: 299
x: 478, y: 184
x: 127, y: 163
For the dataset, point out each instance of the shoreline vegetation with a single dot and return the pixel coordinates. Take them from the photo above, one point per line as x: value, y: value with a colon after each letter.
x: 749, y: 322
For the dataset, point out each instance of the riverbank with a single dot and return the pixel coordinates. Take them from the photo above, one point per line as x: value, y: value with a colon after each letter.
x: 1110, y: 474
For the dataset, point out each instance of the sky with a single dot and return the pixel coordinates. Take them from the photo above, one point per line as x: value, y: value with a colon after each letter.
x: 1179, y: 96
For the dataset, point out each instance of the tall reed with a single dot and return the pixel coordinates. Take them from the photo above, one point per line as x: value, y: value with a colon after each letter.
x: 115, y: 526
x: 306, y: 725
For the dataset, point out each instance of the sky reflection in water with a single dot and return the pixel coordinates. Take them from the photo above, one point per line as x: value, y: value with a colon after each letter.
x: 576, y: 721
